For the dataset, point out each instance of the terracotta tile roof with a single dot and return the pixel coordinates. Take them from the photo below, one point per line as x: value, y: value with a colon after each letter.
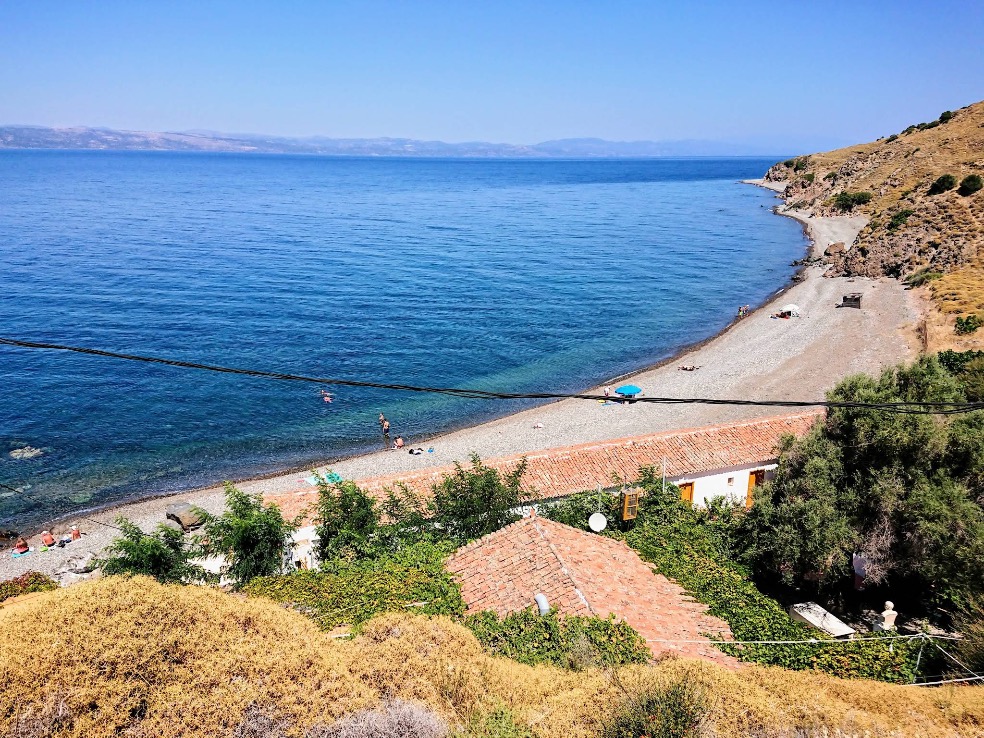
x: 558, y: 472
x: 582, y: 573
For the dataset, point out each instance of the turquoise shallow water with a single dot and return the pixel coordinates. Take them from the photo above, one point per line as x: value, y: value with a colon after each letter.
x: 505, y: 275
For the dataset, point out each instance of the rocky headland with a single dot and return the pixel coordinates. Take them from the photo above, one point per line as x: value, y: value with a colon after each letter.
x: 921, y: 192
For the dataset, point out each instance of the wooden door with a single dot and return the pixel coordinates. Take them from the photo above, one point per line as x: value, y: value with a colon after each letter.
x: 755, y: 479
x: 686, y: 491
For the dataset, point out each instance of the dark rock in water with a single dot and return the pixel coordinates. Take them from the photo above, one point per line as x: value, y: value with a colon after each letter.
x: 184, y: 514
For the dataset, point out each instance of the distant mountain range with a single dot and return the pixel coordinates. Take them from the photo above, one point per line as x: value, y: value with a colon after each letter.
x: 37, y: 137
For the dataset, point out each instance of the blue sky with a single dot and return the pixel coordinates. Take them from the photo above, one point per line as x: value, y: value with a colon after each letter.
x: 805, y: 75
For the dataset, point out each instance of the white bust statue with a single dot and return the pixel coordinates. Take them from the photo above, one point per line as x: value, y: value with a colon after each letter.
x: 888, y: 618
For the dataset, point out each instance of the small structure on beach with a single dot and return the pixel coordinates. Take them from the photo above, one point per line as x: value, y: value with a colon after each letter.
x: 852, y: 300
x: 582, y: 573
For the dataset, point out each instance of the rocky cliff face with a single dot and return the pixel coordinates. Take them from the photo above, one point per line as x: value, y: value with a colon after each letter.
x: 915, y: 229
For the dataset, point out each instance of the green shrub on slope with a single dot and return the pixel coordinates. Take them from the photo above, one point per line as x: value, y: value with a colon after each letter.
x: 32, y: 581
x: 411, y: 580
x: 571, y: 641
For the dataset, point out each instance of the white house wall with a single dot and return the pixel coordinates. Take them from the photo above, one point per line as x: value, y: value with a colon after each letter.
x: 708, y: 485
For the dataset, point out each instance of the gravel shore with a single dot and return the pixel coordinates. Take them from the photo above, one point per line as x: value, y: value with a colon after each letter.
x: 759, y: 357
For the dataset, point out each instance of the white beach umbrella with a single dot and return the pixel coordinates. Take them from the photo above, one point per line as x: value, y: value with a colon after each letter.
x: 791, y: 309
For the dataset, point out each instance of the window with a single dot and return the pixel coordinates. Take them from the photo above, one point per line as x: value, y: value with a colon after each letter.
x: 731, y: 481
x: 630, y: 505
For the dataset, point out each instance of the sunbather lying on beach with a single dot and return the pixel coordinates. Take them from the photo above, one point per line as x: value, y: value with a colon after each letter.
x: 691, y: 368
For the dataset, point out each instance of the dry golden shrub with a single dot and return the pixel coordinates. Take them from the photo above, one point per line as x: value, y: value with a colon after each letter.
x: 177, y: 661
x: 132, y: 657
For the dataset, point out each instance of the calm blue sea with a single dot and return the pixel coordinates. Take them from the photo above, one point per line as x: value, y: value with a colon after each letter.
x: 504, y: 275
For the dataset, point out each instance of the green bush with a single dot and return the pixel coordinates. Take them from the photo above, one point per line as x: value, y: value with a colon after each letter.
x: 891, y: 138
x: 946, y: 116
x: 32, y: 581
x: 499, y: 723
x: 800, y: 164
x: 572, y: 641
x: 809, y: 177
x: 252, y: 537
x: 970, y: 624
x: 163, y: 555
x: 972, y: 379
x: 849, y: 200
x: 955, y: 361
x: 968, y: 325
x: 970, y: 184
x: 346, y: 520
x: 922, y: 277
x: 350, y: 592
x: 898, y: 219
x: 678, y: 710
x: 474, y: 501
x: 942, y: 184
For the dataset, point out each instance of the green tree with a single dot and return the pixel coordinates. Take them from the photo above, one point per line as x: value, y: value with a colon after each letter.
x: 163, y: 555
x: 970, y: 184
x: 347, y: 521
x: 972, y: 379
x: 474, y: 501
x: 404, y: 516
x: 942, y: 184
x: 902, y: 489
x: 849, y: 200
x: 252, y: 537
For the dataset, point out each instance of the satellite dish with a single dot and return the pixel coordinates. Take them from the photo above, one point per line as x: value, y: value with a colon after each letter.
x: 597, y: 522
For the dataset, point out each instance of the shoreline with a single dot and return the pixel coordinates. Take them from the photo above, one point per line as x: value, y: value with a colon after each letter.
x: 751, y: 358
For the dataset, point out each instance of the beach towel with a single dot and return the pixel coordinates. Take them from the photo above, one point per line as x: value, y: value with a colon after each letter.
x: 331, y: 478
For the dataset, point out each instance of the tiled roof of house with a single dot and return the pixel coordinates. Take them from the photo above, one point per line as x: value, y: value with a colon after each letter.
x: 582, y: 573
x: 558, y: 472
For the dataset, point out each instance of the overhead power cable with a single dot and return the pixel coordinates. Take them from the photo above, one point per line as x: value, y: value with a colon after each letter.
x: 813, y: 641
x: 912, y: 408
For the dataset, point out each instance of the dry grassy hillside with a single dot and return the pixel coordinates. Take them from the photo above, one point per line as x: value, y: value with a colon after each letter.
x: 133, y: 658
x: 910, y: 230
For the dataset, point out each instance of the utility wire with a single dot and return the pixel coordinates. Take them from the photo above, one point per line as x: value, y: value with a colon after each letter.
x: 944, y: 681
x: 816, y: 641
x: 912, y: 408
